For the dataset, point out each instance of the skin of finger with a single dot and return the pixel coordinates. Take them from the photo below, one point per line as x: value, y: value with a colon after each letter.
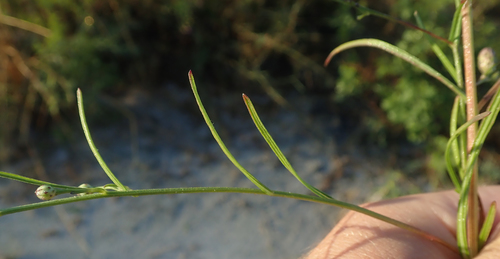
x: 360, y: 236
x: 491, y: 249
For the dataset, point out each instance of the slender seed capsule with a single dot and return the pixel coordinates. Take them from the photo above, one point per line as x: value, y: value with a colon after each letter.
x: 45, y: 192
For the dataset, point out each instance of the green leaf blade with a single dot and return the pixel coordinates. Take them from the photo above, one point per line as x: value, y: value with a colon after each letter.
x: 217, y: 138
x: 400, y: 53
x: 32, y: 181
x: 449, y: 146
x: 92, y: 146
x: 487, y: 225
x: 277, y: 151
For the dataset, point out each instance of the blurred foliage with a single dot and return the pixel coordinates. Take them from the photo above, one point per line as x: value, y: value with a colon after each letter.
x: 108, y: 45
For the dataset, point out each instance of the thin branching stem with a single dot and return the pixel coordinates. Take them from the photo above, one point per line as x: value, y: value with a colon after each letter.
x: 290, y: 195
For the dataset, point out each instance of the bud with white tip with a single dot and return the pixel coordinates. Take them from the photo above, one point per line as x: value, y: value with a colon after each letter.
x: 45, y: 192
x: 486, y: 61
x: 84, y: 185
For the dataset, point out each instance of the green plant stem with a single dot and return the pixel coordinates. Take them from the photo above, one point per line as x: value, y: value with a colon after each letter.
x: 85, y: 127
x: 297, y: 196
x: 458, y: 64
x: 462, y: 139
x: 456, y: 24
x: 32, y: 181
x: 453, y: 128
x: 483, y: 131
x: 455, y: 36
x: 449, y: 146
x: 470, y: 90
x: 437, y: 50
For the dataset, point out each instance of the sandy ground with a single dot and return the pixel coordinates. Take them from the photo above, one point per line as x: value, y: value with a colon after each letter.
x: 173, y: 148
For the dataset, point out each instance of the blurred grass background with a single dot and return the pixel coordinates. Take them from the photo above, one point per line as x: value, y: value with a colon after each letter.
x: 276, y: 47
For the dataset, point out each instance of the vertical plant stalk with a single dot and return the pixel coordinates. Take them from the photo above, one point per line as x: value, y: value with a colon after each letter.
x: 471, y: 110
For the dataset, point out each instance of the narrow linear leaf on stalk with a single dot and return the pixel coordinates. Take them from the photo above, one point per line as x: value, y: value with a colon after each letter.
x: 270, y: 141
x: 456, y: 24
x: 217, y: 138
x: 453, y: 128
x: 449, y: 164
x: 92, y: 146
x: 398, y: 52
x: 437, y: 50
x: 487, y: 225
x: 32, y: 181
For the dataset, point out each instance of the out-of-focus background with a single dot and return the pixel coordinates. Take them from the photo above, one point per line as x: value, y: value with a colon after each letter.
x: 368, y: 126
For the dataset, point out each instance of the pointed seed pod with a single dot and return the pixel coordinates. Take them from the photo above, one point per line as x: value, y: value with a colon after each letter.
x: 486, y: 61
x: 45, y: 192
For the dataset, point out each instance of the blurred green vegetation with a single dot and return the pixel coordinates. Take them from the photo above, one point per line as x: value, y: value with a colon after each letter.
x: 109, y: 45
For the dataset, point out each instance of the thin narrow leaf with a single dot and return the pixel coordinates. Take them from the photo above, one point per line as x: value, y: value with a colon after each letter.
x: 270, y: 141
x: 449, y: 163
x: 487, y: 225
x: 94, y: 149
x: 445, y: 61
x: 456, y: 29
x: 398, y: 52
x: 437, y: 50
x: 462, y: 243
x: 457, y: 63
x: 456, y: 24
x: 453, y: 129
x: 219, y: 140
x: 462, y: 141
x: 487, y: 124
x: 32, y: 181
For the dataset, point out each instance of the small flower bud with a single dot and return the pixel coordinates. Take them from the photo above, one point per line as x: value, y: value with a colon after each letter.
x: 84, y: 185
x: 486, y: 61
x: 45, y: 192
